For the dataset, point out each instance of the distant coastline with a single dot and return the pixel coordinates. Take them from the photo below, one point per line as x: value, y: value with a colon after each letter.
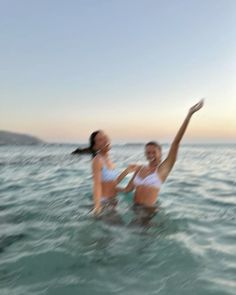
x: 13, y: 138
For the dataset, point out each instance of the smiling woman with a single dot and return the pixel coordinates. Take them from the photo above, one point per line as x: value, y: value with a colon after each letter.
x: 147, y: 180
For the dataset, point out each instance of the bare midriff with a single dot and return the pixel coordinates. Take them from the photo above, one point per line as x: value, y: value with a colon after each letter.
x: 145, y: 195
x: 109, y: 189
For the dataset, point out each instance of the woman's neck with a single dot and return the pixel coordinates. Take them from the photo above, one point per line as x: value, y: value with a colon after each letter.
x: 153, y: 164
x: 103, y: 154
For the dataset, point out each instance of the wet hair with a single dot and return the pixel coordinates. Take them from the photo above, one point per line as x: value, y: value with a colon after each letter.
x: 155, y: 144
x: 89, y: 149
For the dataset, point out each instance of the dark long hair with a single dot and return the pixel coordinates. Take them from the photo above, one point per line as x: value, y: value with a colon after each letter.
x: 89, y: 149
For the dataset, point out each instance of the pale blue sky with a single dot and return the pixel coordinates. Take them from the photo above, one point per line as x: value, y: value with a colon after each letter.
x: 130, y: 67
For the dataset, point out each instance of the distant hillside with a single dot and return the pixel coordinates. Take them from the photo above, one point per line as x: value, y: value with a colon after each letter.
x: 134, y: 144
x: 11, y: 138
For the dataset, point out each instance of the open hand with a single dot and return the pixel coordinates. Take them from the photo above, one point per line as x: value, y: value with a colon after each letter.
x: 196, y: 107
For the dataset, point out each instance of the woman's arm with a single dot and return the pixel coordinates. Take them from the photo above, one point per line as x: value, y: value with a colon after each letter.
x: 129, y: 169
x: 168, y: 163
x: 97, y: 185
x: 130, y: 186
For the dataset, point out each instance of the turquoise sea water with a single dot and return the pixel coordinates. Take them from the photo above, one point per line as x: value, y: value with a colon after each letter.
x: 50, y: 245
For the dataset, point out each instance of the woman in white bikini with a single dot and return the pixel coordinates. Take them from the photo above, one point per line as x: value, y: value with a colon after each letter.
x: 147, y: 180
x: 105, y: 176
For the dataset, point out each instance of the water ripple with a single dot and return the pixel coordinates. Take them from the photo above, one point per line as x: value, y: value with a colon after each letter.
x: 50, y: 245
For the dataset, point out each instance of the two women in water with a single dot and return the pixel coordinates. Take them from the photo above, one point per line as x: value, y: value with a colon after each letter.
x: 146, y: 181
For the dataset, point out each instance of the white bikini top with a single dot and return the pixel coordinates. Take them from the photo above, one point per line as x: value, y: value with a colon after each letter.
x: 151, y: 180
x: 108, y: 174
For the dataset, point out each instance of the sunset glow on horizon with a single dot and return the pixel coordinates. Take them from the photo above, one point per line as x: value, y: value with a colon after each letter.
x: 131, y: 68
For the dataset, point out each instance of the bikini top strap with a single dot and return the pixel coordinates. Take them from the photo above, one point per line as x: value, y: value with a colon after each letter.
x: 103, y: 163
x: 141, y: 167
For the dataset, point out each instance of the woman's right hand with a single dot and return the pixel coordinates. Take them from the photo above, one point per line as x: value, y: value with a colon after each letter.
x: 96, y: 211
x: 196, y: 107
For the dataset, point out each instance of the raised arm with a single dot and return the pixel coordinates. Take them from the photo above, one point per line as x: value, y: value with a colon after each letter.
x: 97, y: 185
x: 168, y: 163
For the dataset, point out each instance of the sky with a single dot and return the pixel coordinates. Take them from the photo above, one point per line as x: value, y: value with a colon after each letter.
x: 130, y: 67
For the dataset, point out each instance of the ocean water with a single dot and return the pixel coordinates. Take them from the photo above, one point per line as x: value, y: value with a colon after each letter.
x: 49, y: 244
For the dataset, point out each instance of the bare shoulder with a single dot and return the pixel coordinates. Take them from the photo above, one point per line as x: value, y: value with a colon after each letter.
x: 96, y: 162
